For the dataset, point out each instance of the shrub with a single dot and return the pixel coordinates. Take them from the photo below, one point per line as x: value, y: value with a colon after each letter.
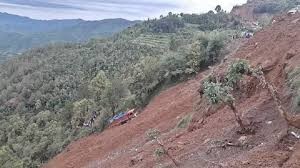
x: 218, y: 92
x: 159, y: 152
x: 236, y: 71
x: 152, y: 134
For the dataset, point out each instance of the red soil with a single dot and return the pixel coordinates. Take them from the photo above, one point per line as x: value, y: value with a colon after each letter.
x: 127, y: 145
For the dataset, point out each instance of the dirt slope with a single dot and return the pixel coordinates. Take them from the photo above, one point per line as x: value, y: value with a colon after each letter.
x: 205, y: 145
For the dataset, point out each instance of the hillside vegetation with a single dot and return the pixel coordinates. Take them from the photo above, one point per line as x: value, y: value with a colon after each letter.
x: 20, y: 33
x: 263, y: 11
x: 47, y: 94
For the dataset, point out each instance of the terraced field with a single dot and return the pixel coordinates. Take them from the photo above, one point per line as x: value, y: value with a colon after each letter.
x: 161, y: 41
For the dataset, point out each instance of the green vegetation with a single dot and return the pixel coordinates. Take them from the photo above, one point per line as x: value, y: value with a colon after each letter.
x: 152, y: 134
x: 272, y: 7
x: 159, y: 152
x: 211, y: 21
x: 236, y: 71
x: 219, y: 90
x: 47, y: 94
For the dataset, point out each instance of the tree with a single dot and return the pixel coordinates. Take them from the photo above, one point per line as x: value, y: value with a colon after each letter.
x: 98, y: 85
x: 81, y: 110
x: 154, y: 134
x: 173, y: 44
x: 218, y: 8
x: 218, y: 90
x: 218, y: 93
x: 7, y: 160
x: 206, y: 51
x: 115, y: 95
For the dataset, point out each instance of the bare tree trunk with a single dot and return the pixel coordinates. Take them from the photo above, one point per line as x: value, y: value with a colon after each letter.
x: 236, y: 115
x: 273, y: 93
x: 293, y: 120
x: 167, y: 153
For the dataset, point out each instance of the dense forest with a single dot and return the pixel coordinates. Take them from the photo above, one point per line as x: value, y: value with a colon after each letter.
x: 21, y: 33
x: 47, y: 94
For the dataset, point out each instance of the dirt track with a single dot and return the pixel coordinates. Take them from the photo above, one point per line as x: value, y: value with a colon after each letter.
x: 127, y: 146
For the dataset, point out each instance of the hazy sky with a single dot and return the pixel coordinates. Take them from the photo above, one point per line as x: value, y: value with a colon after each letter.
x: 101, y: 9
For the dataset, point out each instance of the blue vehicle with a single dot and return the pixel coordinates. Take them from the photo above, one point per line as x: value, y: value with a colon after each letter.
x: 122, y: 118
x: 117, y: 117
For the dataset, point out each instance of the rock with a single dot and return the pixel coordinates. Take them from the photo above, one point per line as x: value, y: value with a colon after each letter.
x: 295, y: 21
x: 290, y: 54
x: 243, y: 139
x: 295, y: 135
x: 269, y: 122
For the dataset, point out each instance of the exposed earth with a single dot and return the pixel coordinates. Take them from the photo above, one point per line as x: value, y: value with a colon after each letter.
x: 216, y: 142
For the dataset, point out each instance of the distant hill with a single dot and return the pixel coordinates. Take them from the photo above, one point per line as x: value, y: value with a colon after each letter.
x: 19, y: 33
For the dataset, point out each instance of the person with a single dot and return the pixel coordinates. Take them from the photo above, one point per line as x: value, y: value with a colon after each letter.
x: 94, y: 114
x: 92, y: 121
x: 248, y: 35
x: 86, y: 124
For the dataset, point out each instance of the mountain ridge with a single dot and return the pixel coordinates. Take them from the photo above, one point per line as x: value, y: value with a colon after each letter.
x: 21, y: 33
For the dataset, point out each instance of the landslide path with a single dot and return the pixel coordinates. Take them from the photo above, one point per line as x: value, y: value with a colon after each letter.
x: 215, y: 143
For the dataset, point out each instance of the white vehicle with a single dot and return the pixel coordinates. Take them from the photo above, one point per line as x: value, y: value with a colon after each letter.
x: 294, y: 10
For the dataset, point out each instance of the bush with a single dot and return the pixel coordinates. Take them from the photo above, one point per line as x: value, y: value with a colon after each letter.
x: 159, y: 152
x: 217, y: 93
x: 152, y: 134
x: 236, y: 71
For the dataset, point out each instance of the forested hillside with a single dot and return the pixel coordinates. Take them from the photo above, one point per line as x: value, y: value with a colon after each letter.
x: 47, y: 94
x: 20, y: 33
x: 263, y: 10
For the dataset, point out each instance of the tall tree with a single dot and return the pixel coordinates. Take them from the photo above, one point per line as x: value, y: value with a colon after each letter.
x: 218, y: 8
